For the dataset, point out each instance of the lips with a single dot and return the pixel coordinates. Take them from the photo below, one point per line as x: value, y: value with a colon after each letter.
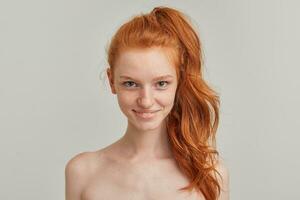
x: 143, y: 111
x: 145, y: 114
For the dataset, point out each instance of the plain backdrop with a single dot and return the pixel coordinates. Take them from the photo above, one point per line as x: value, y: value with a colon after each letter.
x: 55, y: 100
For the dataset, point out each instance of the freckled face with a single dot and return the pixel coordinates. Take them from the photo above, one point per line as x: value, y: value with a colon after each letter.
x: 145, y: 83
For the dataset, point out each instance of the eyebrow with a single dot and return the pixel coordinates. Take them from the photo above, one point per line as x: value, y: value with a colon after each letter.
x: 157, y: 78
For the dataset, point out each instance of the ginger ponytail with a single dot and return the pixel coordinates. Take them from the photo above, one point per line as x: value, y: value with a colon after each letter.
x: 193, y: 120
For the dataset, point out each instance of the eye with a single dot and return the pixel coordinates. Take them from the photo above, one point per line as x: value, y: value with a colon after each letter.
x: 128, y: 83
x: 163, y: 84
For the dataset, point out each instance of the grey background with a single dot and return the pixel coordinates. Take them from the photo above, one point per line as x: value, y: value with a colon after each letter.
x: 56, y: 103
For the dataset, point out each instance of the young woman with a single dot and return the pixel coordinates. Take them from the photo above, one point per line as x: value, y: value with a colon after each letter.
x: 168, y: 150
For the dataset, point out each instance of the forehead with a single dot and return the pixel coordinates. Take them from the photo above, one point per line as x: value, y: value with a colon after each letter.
x: 145, y: 63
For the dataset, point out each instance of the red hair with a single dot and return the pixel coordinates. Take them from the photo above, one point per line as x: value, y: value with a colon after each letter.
x: 193, y: 120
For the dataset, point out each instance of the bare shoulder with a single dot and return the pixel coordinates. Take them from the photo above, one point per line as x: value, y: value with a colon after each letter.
x: 77, y: 172
x: 223, y: 179
x: 84, y: 163
x: 78, y: 162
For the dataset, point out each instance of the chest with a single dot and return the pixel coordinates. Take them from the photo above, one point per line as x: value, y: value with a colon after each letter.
x: 144, y: 182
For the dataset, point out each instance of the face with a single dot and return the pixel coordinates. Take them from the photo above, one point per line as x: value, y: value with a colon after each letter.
x: 145, y: 83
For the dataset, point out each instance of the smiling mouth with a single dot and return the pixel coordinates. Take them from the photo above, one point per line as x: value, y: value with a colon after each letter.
x: 145, y: 111
x: 145, y: 115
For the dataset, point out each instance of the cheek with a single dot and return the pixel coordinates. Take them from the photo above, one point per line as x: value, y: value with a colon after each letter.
x: 125, y: 99
x: 168, y: 98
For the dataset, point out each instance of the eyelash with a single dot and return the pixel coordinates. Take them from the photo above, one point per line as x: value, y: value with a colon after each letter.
x: 124, y: 83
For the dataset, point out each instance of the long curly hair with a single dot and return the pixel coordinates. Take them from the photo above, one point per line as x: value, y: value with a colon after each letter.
x: 192, y: 123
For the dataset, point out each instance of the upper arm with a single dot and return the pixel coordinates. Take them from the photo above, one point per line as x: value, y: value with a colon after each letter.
x: 223, y: 180
x: 75, y: 177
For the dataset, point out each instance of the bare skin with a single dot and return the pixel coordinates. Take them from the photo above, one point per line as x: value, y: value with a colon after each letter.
x: 109, y: 176
x: 103, y: 175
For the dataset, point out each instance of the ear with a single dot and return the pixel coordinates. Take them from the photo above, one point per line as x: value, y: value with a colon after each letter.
x: 111, y: 82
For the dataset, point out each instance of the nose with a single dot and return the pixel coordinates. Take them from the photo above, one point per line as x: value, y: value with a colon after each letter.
x: 145, y: 99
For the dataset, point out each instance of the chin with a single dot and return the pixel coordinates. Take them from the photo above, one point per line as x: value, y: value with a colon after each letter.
x: 147, y: 125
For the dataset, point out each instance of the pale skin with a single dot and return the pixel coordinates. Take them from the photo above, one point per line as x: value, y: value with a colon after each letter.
x: 140, y: 165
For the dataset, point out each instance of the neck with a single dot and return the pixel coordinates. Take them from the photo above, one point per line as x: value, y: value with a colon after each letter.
x: 140, y: 145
